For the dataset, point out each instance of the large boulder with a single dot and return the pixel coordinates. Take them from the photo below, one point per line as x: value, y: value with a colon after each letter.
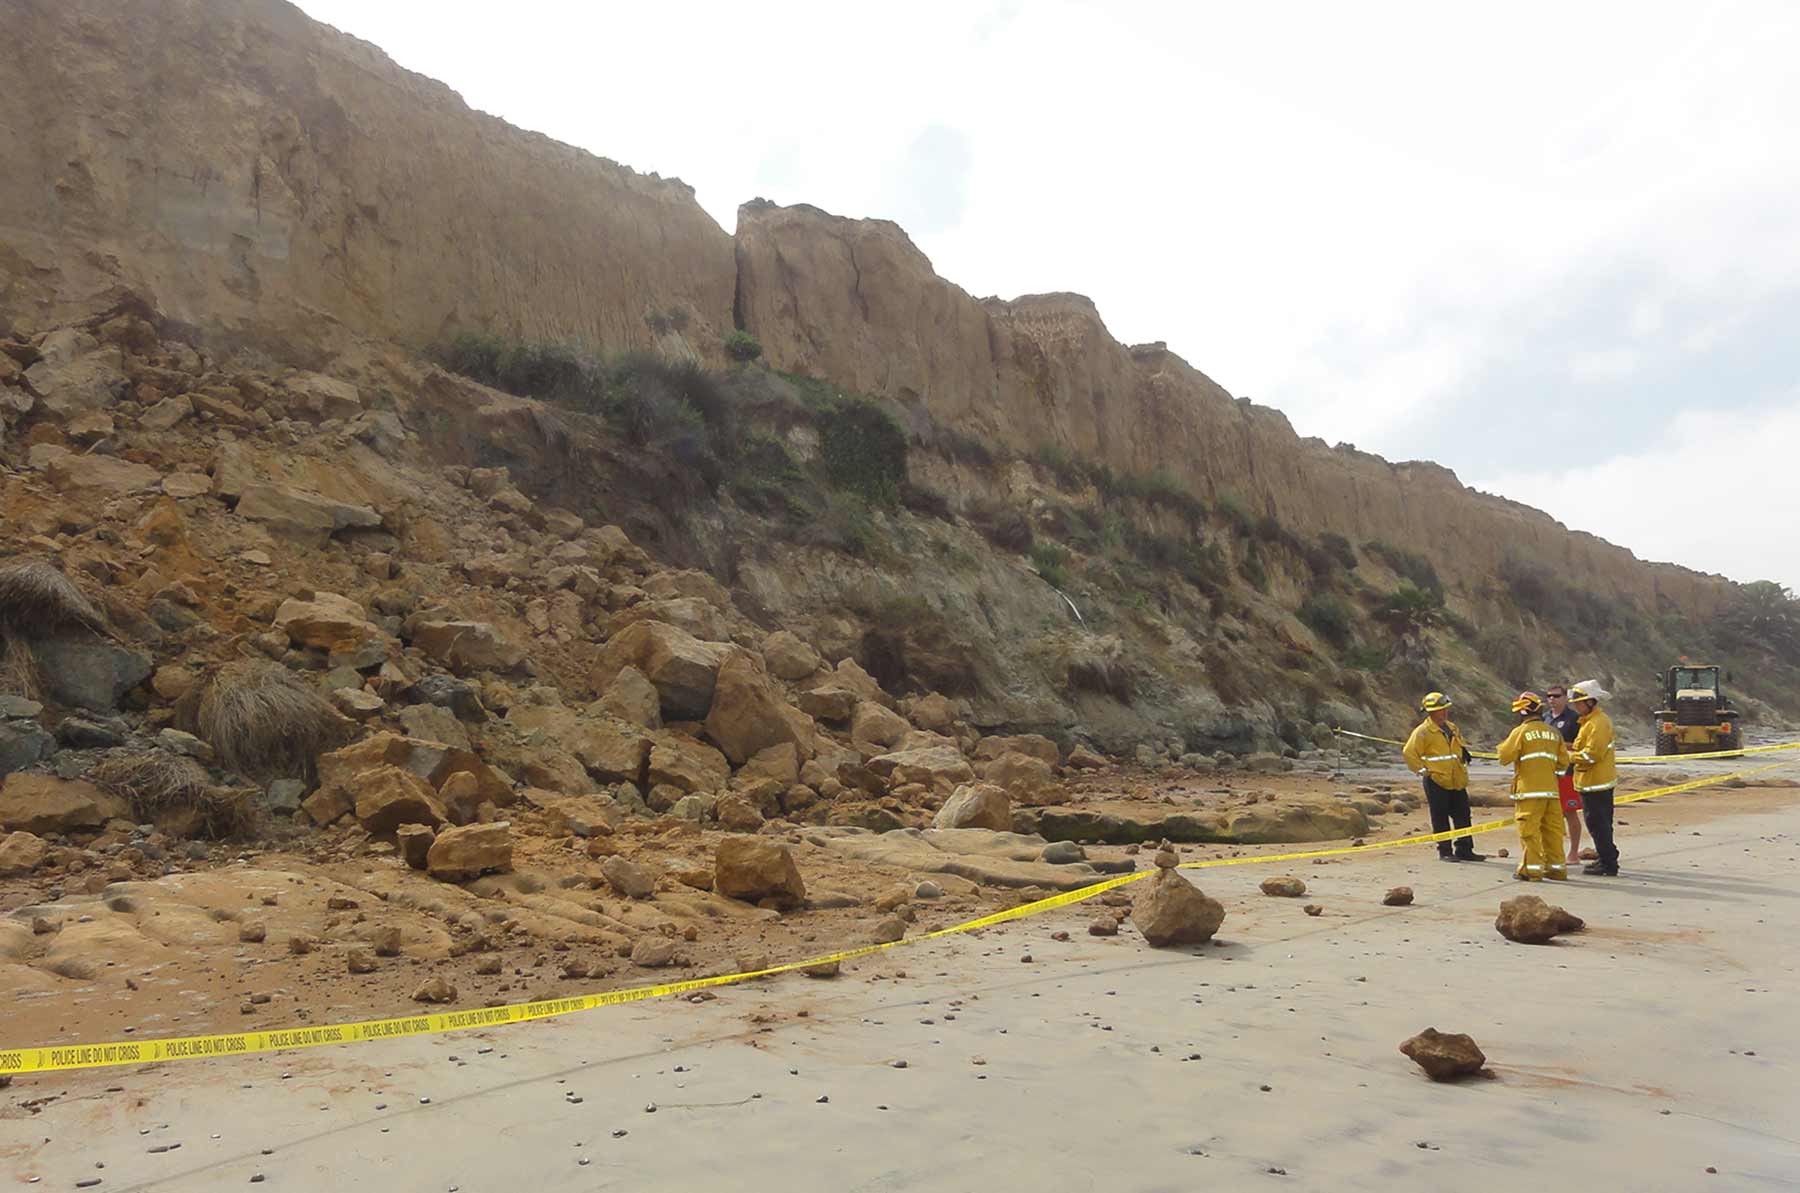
x: 632, y: 698
x: 1032, y: 744
x: 74, y: 374
x: 682, y: 667
x: 300, y: 515
x: 612, y: 751
x: 323, y: 397
x: 84, y: 475
x: 874, y: 727
x: 829, y: 703
x: 44, y: 804
x: 976, y: 805
x: 848, y: 674
x: 1024, y: 776
x: 89, y: 673
x: 693, y: 766
x: 758, y: 871
x: 1170, y: 910
x: 940, y: 768
x: 432, y: 761
x: 933, y: 713
x: 465, y: 646
x: 388, y: 797
x: 328, y: 621
x: 1444, y: 1056
x: 21, y: 853
x: 628, y: 878
x: 690, y: 614
x: 1527, y: 919
x: 779, y: 763
x: 789, y: 657
x: 459, y: 854
x: 748, y: 713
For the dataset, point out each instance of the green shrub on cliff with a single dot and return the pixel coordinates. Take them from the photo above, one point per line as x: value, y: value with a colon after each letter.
x: 863, y: 448
x: 742, y: 347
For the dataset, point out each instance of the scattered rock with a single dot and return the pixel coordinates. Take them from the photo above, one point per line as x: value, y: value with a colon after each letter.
x: 1527, y: 919
x: 653, y: 952
x: 890, y: 929
x: 253, y: 932
x: 1103, y: 925
x: 459, y: 854
x: 302, y: 516
x: 1444, y: 1057
x: 89, y: 673
x: 1400, y: 896
x: 357, y: 961
x: 435, y: 989
x: 756, y: 871
x: 1082, y: 758
x: 327, y: 621
x: 465, y: 646
x: 1313, y: 909
x: 1173, y: 911
x: 21, y: 853
x: 632, y: 698
x: 976, y: 805
x: 387, y: 797
x: 628, y: 878
x: 44, y: 804
x: 1285, y: 888
x: 789, y: 657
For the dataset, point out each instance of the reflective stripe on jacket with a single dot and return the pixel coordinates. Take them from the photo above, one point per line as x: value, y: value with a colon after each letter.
x: 1593, y: 753
x: 1536, y: 751
x: 1437, y: 753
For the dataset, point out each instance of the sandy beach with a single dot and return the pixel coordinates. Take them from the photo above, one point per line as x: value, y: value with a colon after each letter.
x: 1642, y: 1053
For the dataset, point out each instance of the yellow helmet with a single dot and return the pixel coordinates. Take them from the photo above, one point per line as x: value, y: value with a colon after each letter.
x: 1527, y: 704
x: 1434, y: 701
x: 1579, y: 692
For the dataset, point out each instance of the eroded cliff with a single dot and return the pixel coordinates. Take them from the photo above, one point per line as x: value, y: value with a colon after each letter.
x: 266, y: 176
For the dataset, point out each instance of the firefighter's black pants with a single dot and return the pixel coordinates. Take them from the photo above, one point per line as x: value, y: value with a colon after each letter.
x: 1597, y: 810
x: 1450, y: 809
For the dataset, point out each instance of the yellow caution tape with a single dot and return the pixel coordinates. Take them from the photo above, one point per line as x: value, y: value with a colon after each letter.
x: 1664, y: 759
x: 137, y: 1052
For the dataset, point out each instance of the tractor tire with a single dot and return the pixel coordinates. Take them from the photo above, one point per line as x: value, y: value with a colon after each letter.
x: 1665, y: 744
x: 1733, y: 740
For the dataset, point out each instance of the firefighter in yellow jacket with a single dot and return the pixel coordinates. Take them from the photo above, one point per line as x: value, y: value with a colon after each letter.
x: 1536, y: 752
x: 1595, y: 775
x: 1437, y: 754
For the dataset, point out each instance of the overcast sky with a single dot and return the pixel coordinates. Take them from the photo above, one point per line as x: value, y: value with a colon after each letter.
x: 1555, y: 247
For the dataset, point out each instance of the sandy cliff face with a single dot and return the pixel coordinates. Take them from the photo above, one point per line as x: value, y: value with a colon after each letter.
x: 270, y: 180
x: 262, y: 173
x: 855, y: 301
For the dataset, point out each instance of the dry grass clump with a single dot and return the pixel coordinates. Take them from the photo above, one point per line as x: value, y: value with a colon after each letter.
x: 157, y: 783
x: 263, y: 720
x: 38, y: 601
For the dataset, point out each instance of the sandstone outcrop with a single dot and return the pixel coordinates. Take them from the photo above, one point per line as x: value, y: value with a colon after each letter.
x: 288, y: 170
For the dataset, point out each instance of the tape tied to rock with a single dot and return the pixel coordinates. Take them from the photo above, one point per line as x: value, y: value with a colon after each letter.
x: 61, y: 1058
x: 1663, y: 759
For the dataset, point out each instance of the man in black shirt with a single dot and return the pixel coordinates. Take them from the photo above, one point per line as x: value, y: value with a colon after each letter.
x: 1566, y: 719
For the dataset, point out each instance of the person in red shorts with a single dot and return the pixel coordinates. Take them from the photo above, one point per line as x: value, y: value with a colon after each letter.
x: 1568, y: 721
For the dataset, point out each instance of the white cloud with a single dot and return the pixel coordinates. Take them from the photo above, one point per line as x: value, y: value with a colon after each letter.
x: 1604, y: 364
